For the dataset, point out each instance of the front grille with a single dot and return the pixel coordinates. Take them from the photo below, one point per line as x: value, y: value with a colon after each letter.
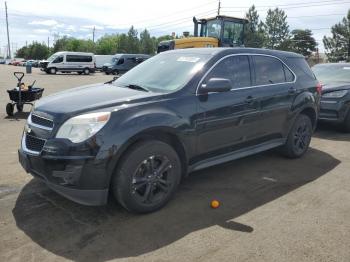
x: 34, y: 143
x: 41, y: 121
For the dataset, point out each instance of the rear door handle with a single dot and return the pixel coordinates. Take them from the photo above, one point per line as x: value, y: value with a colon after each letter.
x: 292, y: 90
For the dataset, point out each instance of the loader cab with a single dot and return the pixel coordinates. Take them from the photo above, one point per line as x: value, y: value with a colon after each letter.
x: 228, y: 30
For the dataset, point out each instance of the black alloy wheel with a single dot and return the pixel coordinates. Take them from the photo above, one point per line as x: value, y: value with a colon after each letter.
x: 151, y: 180
x: 147, y: 177
x: 299, y: 137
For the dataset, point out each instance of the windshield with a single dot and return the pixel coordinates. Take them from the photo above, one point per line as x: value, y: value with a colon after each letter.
x: 165, y: 72
x: 328, y: 73
x: 114, y: 60
x: 51, y: 58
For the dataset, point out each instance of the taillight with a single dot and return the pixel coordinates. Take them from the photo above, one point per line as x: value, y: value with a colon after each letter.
x: 319, y: 88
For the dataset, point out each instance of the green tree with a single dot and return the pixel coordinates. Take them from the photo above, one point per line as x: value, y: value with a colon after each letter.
x: 338, y: 45
x: 123, y: 44
x: 254, y: 33
x: 146, y: 43
x: 35, y: 50
x: 277, y: 29
x: 133, y: 41
x: 303, y: 42
x: 107, y: 45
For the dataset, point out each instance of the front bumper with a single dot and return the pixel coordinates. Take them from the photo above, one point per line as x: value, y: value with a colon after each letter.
x: 82, y: 179
x: 334, y: 110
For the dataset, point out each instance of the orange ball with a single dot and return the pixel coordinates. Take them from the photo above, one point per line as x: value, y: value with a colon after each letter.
x: 215, y: 204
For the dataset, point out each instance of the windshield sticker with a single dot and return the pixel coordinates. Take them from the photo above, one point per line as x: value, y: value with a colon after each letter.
x: 188, y: 59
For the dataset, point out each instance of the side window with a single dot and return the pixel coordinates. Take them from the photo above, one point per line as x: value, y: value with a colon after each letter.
x: 58, y: 59
x: 120, y: 61
x: 268, y: 70
x: 235, y: 68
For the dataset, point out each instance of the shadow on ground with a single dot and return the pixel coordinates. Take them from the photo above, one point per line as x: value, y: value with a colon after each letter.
x: 331, y: 132
x: 18, y: 115
x: 85, y: 233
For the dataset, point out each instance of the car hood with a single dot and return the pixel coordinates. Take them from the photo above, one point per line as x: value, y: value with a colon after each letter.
x: 88, y: 98
x: 334, y: 86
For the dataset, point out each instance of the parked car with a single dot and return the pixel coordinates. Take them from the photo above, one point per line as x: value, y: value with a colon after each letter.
x: 177, y: 112
x: 122, y: 63
x: 67, y: 62
x: 335, y: 100
x: 17, y: 61
x: 101, y: 60
x: 2, y: 61
x: 33, y: 63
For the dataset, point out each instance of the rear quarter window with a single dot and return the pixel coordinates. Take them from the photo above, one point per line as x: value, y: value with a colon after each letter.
x: 300, y: 68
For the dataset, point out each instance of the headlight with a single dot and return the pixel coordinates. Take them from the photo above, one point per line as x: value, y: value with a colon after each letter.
x: 80, y: 128
x: 335, y: 94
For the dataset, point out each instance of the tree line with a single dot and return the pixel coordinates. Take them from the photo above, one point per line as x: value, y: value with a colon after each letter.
x: 273, y: 33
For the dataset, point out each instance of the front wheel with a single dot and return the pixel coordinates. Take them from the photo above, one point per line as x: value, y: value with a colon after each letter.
x: 53, y: 71
x: 19, y: 108
x: 147, y: 177
x: 299, y: 137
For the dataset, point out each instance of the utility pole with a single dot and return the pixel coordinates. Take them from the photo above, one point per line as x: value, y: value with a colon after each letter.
x: 48, y: 42
x: 8, y: 35
x: 93, y: 35
x: 219, y: 7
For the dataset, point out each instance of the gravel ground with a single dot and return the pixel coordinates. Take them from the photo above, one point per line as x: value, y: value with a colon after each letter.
x: 272, y: 208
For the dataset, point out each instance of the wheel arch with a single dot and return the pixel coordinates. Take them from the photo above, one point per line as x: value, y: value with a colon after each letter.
x: 164, y: 134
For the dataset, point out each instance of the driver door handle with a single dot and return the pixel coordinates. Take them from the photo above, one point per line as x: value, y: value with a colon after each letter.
x: 249, y: 100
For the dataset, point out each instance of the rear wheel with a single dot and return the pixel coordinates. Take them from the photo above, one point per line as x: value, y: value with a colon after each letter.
x: 115, y: 72
x: 19, y: 108
x: 86, y: 71
x: 299, y: 137
x: 9, y: 109
x: 53, y: 70
x: 147, y: 177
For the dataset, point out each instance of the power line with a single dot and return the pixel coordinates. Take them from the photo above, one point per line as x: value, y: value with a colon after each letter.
x: 283, y: 5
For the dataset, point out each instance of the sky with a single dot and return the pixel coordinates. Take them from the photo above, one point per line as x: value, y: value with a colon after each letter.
x: 36, y: 20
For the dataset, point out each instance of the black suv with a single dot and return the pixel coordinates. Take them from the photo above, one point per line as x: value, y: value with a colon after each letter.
x: 177, y: 112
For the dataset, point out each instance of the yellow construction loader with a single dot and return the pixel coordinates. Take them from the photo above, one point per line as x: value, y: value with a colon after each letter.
x: 219, y: 31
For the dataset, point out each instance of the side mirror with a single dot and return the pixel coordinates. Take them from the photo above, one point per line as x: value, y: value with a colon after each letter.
x: 217, y: 85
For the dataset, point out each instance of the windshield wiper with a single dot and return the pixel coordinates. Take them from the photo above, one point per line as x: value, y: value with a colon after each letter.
x: 137, y: 87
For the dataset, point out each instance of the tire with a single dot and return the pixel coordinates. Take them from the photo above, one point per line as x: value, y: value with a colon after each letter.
x: 86, y: 71
x: 115, y: 72
x: 147, y: 177
x: 347, y: 123
x: 9, y: 109
x: 53, y: 71
x: 106, y: 73
x: 299, y: 137
x: 19, y: 108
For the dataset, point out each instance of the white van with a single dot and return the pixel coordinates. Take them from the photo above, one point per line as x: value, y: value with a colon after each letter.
x: 67, y: 62
x: 101, y: 60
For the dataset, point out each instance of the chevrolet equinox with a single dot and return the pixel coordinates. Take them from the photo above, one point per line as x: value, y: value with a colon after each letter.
x: 177, y: 112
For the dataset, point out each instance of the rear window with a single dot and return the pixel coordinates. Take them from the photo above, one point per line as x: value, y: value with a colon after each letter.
x: 269, y: 70
x: 78, y: 58
x: 300, y: 67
